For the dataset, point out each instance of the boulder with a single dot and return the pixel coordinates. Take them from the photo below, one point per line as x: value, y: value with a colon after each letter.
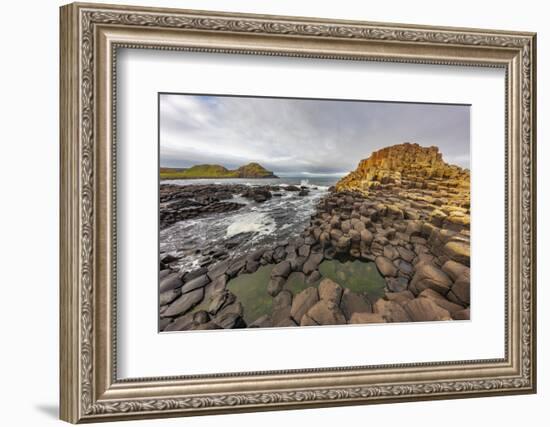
x: 397, y: 284
x: 362, y: 318
x: 275, y: 285
x: 197, y: 282
x: 330, y: 291
x: 303, y: 302
x: 441, y: 301
x: 391, y: 311
x: 352, y: 302
x: 220, y: 300
x: 458, y: 251
x: 304, y: 251
x: 385, y: 266
x: 429, y: 276
x: 453, y: 269
x: 170, y: 282
x: 326, y: 313
x: 460, y: 291
x: 182, y: 323
x: 312, y: 262
x: 400, y: 298
x: 406, y: 254
x: 390, y: 252
x: 217, y: 270
x: 282, y: 269
x: 230, y: 321
x: 280, y: 310
x: 184, y: 303
x: 168, y: 296
x: 424, y: 309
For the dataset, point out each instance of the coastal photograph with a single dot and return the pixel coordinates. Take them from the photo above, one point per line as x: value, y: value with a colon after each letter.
x: 295, y: 212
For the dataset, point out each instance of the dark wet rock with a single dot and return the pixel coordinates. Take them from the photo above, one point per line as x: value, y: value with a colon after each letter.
x: 184, y: 303
x: 275, y: 285
x: 303, y: 193
x: 218, y: 269
x: 303, y: 302
x: 291, y: 188
x: 404, y: 268
x: 235, y: 267
x: 181, y: 323
x: 313, y: 277
x: 304, y: 251
x: 194, y: 274
x: 282, y: 269
x: 168, y: 296
x: 170, y: 282
x: 168, y: 258
x: 217, y: 285
x: 220, y: 300
x: 397, y: 284
x: 197, y: 282
x: 252, y: 266
x: 312, y: 263
x: 230, y: 321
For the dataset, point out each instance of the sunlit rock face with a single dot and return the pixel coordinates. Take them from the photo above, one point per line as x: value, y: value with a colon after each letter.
x: 409, y: 166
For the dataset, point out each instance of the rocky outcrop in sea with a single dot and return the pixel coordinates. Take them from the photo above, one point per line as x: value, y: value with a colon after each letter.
x: 403, y: 210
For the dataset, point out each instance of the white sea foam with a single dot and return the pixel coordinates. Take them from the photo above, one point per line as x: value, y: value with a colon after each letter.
x: 304, y: 182
x: 252, y: 222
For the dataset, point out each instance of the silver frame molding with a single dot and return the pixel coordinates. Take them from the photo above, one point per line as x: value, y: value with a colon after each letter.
x: 90, y: 37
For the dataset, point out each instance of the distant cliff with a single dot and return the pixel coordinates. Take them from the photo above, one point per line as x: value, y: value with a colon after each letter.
x: 251, y: 170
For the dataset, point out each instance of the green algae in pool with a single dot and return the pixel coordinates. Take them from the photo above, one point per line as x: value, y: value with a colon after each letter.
x: 356, y: 275
x: 251, y: 292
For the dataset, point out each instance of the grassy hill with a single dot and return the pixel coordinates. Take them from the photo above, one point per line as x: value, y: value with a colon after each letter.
x: 251, y: 170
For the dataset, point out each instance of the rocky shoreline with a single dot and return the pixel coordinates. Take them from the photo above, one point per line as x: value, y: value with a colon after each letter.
x: 404, y: 210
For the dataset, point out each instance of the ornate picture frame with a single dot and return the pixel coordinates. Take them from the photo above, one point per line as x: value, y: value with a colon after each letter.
x: 90, y: 37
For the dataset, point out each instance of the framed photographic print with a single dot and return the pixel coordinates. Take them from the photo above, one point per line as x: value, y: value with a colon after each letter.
x: 265, y: 212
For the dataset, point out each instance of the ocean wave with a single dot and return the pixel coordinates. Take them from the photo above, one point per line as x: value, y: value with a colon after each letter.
x: 252, y: 222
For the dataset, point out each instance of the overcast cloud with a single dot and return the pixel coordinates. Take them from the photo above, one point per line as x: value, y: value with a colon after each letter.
x: 290, y: 136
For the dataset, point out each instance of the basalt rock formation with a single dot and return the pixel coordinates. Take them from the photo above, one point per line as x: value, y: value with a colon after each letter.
x: 408, y: 166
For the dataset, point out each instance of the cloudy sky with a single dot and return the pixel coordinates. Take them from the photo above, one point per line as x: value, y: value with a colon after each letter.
x: 302, y: 136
